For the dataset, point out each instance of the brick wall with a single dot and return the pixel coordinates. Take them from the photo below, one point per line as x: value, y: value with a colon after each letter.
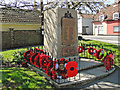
x: 6, y: 41
x: 21, y: 38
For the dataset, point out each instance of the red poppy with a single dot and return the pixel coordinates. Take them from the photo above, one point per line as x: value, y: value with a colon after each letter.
x: 71, y: 68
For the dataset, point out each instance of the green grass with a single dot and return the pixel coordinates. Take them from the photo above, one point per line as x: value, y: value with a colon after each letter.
x: 106, y: 46
x: 22, y: 78
x: 8, y: 54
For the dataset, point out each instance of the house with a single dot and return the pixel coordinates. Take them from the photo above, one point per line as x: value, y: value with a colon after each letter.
x: 20, y: 27
x: 107, y: 21
x: 19, y: 19
x: 85, y: 26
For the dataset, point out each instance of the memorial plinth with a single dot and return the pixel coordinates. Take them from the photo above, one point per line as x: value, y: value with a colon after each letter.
x: 60, y: 32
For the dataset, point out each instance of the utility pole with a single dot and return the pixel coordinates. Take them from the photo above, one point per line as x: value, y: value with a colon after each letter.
x: 42, y: 21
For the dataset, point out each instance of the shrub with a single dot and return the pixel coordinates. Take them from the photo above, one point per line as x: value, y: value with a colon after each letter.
x: 18, y: 56
x: 1, y: 59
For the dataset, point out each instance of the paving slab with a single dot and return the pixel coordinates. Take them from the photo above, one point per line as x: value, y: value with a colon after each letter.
x: 110, y: 82
x: 85, y: 63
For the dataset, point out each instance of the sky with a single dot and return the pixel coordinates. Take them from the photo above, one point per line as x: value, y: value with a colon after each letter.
x: 107, y: 1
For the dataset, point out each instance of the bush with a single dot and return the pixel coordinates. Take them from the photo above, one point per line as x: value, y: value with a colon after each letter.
x: 1, y: 59
x: 18, y: 56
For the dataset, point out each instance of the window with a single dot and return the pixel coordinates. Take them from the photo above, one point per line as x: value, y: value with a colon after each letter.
x: 101, y: 18
x: 100, y: 29
x: 116, y: 28
x: 116, y: 16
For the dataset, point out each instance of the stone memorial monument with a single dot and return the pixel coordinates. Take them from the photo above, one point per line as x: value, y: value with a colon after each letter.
x: 61, y: 32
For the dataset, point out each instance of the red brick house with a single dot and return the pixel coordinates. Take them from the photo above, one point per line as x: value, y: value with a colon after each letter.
x: 107, y: 21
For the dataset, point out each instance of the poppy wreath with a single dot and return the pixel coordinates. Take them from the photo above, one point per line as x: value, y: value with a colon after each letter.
x: 61, y: 68
x: 98, y: 56
x: 36, y: 60
x: 80, y: 49
x: 32, y: 58
x: 50, y: 70
x: 39, y: 51
x: 44, y: 60
x: 94, y: 51
x: 90, y: 50
x: 27, y: 55
x: 108, y: 61
x: 71, y: 68
x: 36, y: 50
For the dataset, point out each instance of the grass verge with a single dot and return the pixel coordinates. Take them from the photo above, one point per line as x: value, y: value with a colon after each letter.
x: 22, y: 78
x: 106, y: 46
x: 8, y: 54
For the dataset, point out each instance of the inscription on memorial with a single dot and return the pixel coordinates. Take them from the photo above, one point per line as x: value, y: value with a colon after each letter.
x: 68, y: 31
x: 68, y: 51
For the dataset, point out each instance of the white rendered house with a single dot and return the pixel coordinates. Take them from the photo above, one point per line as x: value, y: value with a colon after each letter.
x: 85, y: 25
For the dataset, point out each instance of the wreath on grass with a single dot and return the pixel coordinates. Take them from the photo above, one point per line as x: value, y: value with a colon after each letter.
x: 100, y: 54
x: 108, y: 61
x: 80, y: 49
x: 90, y: 50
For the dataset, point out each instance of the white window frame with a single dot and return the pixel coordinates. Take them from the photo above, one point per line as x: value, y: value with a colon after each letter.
x: 102, y: 18
x: 100, y: 28
x: 116, y: 18
x: 118, y: 28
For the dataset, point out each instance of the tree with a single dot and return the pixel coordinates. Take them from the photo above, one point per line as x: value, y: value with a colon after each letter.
x: 83, y: 6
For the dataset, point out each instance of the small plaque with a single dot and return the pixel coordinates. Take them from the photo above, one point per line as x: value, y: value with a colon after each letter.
x: 68, y: 31
x: 68, y: 51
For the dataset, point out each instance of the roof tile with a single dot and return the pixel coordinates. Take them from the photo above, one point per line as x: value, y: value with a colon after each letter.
x: 108, y: 11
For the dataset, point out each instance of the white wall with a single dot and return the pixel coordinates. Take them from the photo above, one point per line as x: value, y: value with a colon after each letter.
x: 80, y: 25
x: 88, y: 22
x: 97, y: 25
x: 85, y: 22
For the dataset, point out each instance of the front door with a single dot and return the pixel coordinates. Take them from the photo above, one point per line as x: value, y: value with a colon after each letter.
x: 96, y: 31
